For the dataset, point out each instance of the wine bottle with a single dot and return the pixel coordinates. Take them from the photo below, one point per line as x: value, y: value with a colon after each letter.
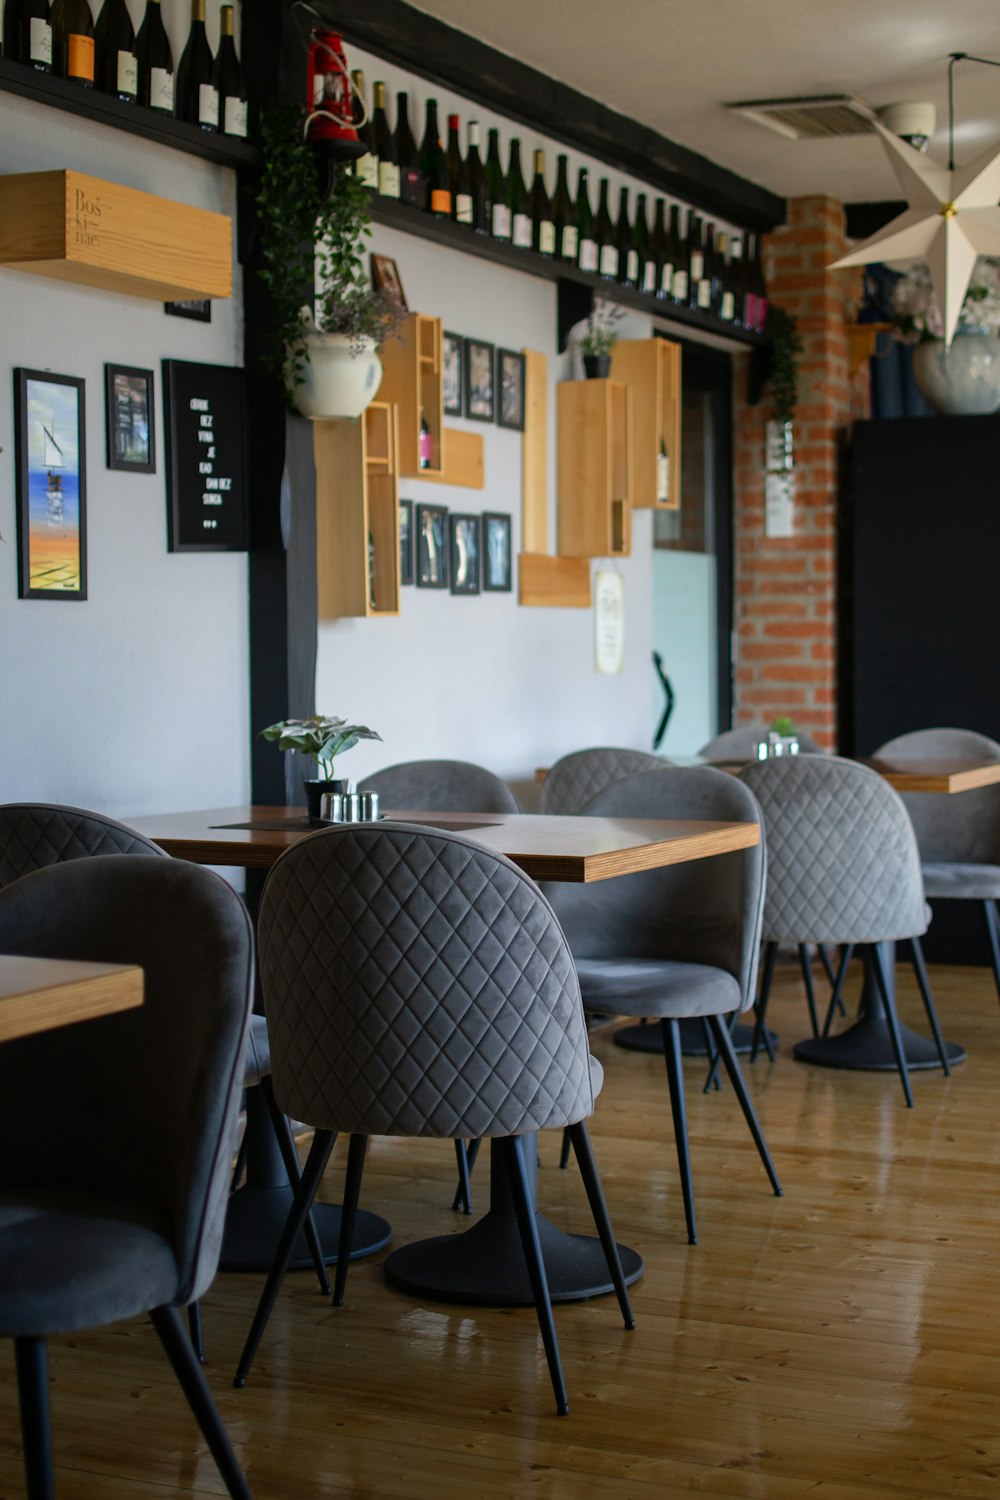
x: 644, y: 254
x: 73, y: 41
x: 424, y: 444
x: 563, y: 216
x: 434, y: 165
x: 628, y: 256
x: 586, y: 243
x: 496, y: 190
x: 517, y: 199
x: 27, y: 35
x: 475, y: 179
x: 672, y: 259
x: 662, y: 474
x: 385, y: 146
x: 196, y: 98
x: 453, y: 156
x: 411, y: 185
x: 155, y: 60
x: 116, y: 71
x: 543, y: 229
x: 682, y: 259
x: 364, y: 166
x: 230, y: 85
x: 705, y: 294
x: 604, y: 233
x: 727, y: 296
x: 737, y: 280
x: 696, y: 261
x: 658, y: 250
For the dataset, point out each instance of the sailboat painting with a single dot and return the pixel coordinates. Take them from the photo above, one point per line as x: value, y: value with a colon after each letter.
x: 51, y: 485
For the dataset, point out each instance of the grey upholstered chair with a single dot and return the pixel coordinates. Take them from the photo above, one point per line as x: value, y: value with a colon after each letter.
x: 576, y: 779
x: 440, y: 786
x: 116, y: 1134
x: 843, y: 869
x: 741, y: 743
x: 676, y: 942
x: 419, y: 985
x: 958, y: 836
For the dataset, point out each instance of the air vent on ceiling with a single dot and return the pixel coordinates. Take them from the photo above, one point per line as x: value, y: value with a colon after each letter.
x: 809, y: 118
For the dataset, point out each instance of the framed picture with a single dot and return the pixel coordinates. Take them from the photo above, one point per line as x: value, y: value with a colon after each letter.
x: 479, y: 396
x: 200, y: 310
x: 385, y: 278
x: 497, y: 570
x: 432, y: 547
x: 51, y: 469
x: 406, y: 541
x: 204, y: 449
x: 510, y: 379
x: 464, y: 548
x: 451, y: 378
x: 128, y: 418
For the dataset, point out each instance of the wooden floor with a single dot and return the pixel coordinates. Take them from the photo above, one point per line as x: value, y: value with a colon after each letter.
x: 840, y: 1342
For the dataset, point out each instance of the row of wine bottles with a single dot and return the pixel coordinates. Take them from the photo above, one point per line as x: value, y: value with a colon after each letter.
x: 138, y: 68
x: 693, y: 266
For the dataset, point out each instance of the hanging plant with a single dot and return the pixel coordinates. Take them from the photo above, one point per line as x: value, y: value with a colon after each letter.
x: 781, y: 331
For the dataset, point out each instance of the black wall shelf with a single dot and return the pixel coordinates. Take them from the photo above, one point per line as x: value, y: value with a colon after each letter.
x: 151, y: 124
x: 576, y: 288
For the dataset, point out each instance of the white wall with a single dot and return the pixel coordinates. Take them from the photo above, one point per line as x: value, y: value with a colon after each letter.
x: 135, y: 700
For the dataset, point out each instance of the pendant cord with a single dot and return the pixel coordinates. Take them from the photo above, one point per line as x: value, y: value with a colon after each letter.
x: 955, y: 57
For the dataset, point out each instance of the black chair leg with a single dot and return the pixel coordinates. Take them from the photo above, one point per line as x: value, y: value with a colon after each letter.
x: 831, y: 975
x: 993, y: 932
x: 289, y: 1155
x: 168, y: 1325
x: 312, y: 1176
x: 675, y: 1082
x: 923, y: 980
x: 36, y: 1434
x: 512, y: 1151
x: 580, y: 1137
x: 805, y: 964
x: 196, y: 1331
x: 749, y: 1113
x: 763, y: 994
x: 564, y: 1150
x: 836, y: 1002
x: 711, y: 1052
x: 349, y: 1213
x: 889, y: 1011
x: 469, y: 1154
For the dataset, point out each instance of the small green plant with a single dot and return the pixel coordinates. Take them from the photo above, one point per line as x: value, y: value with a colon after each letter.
x: 781, y: 331
x: 320, y: 737
x: 601, y: 332
x: 784, y: 726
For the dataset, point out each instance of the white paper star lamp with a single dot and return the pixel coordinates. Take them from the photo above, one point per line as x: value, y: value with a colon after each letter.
x: 952, y: 218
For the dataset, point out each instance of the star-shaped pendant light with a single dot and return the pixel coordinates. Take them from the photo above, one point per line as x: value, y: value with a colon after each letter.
x: 952, y: 218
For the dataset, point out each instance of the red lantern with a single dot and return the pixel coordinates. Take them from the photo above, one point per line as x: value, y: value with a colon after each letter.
x: 330, y: 125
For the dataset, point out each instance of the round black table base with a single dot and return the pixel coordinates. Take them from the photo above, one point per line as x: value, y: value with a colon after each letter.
x: 649, y: 1038
x: 484, y: 1267
x: 255, y: 1218
x: 867, y: 1046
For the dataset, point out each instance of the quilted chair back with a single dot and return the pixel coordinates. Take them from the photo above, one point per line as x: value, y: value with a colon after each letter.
x: 962, y: 829
x: 416, y: 984
x: 139, y: 1106
x: 843, y: 865
x: 704, y: 911
x: 441, y: 786
x: 741, y: 743
x: 36, y: 834
x: 578, y: 778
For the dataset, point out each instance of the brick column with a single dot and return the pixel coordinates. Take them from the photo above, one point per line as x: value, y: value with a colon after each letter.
x: 785, y: 605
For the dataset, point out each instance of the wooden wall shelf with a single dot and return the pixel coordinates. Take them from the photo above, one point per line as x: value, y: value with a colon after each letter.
x: 411, y: 377
x: 651, y: 368
x: 594, y: 438
x: 357, y: 514
x: 78, y: 228
x: 553, y: 582
x: 465, y: 460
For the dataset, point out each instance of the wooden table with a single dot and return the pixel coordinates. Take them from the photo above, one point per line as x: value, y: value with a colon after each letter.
x: 942, y: 776
x: 39, y: 994
x: 449, y: 1268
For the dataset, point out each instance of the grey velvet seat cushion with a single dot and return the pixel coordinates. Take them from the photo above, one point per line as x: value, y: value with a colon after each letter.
x: 962, y: 882
x: 440, y: 786
x: 577, y: 779
x: 656, y: 987
x: 72, y: 1260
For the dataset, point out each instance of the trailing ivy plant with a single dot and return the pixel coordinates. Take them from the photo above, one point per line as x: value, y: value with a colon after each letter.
x: 781, y: 331
x: 311, y: 239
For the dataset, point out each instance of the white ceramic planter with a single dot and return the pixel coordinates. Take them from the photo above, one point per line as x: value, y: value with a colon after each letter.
x: 962, y: 380
x: 338, y: 382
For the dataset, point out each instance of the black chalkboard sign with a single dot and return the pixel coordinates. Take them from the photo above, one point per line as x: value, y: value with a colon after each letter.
x: 206, y: 492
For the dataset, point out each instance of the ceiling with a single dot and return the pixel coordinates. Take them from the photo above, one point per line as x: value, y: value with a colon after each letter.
x: 673, y: 64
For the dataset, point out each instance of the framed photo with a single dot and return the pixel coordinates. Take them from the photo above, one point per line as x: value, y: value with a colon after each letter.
x: 205, y: 457
x: 128, y: 418
x: 464, y: 547
x: 406, y: 541
x: 432, y: 547
x: 51, y: 469
x: 479, y: 394
x: 200, y: 310
x: 385, y: 278
x: 510, y: 379
x: 497, y: 569
x: 451, y: 375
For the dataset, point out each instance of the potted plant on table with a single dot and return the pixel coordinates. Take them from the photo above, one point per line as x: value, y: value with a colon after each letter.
x: 599, y: 338
x: 962, y: 378
x: 312, y: 245
x: 322, y: 738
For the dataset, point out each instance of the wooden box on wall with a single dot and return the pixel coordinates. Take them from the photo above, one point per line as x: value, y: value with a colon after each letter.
x: 411, y: 377
x: 78, y: 228
x: 594, y: 469
x: 651, y: 368
x: 357, y: 514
